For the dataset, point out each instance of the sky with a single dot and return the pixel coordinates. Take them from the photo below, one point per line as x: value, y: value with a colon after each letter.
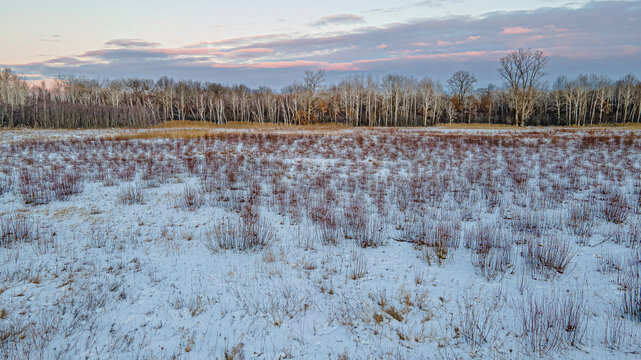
x: 273, y: 42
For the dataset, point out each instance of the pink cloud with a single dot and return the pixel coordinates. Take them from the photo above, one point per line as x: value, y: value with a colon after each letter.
x: 381, y: 46
x: 555, y: 28
x: 515, y: 30
x: 583, y: 53
x: 534, y: 37
x: 459, y: 42
x: 293, y: 64
x: 408, y: 51
x: 201, y: 51
x: 590, y: 53
x: 459, y: 56
x: 453, y: 56
x: 420, y: 43
x: 232, y: 53
x: 240, y: 40
x: 256, y: 50
x: 630, y: 49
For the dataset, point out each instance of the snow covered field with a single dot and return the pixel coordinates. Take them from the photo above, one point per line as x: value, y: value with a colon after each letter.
x: 316, y: 244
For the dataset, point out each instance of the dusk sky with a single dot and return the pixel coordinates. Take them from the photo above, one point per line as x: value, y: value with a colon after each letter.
x: 273, y: 42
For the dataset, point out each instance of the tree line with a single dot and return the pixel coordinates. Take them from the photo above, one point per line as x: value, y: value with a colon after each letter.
x: 358, y: 100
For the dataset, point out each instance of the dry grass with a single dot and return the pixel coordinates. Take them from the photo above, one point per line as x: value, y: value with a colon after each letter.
x: 480, y: 126
x: 201, y: 129
x: 165, y: 134
x: 210, y: 125
x: 627, y: 126
x: 245, y: 125
x: 631, y: 126
x: 183, y: 124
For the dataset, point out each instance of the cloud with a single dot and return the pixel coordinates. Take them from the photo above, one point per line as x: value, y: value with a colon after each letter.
x: 515, y: 30
x: 589, y: 37
x: 67, y: 61
x: 239, y: 41
x: 340, y: 19
x: 631, y: 49
x: 52, y: 38
x: 130, y: 43
x: 419, y: 4
x: 458, y: 42
x: 294, y: 64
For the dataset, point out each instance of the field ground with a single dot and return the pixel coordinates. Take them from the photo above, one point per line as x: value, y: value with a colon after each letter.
x: 320, y: 242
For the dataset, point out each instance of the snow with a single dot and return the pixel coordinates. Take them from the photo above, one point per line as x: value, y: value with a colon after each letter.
x: 111, y: 280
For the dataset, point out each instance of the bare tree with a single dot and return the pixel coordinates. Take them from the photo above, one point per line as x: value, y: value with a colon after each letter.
x: 393, y: 100
x: 603, y: 96
x: 449, y: 110
x: 487, y: 101
x: 626, y: 95
x: 312, y: 81
x: 428, y: 98
x: 522, y: 70
x: 461, y: 83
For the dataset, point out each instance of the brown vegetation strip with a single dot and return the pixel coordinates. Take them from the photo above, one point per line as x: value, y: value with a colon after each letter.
x: 245, y: 125
x: 199, y: 129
